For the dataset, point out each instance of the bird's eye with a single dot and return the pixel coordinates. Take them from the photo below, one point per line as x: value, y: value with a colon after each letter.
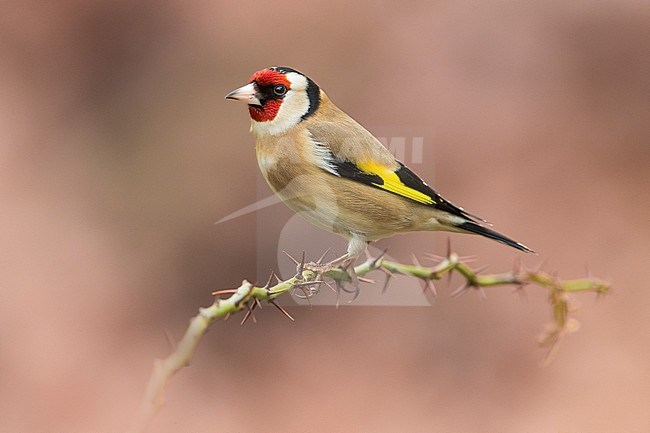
x: 280, y: 90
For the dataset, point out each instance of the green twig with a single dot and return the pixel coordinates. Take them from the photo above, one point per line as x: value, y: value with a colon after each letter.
x: 309, y: 275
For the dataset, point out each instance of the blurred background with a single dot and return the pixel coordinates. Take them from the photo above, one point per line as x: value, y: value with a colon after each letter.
x: 118, y: 153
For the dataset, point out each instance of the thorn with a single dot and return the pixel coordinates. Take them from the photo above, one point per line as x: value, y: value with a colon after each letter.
x: 517, y: 266
x: 590, y: 276
x: 424, y: 284
x: 520, y: 289
x: 224, y: 292
x: 366, y: 280
x: 415, y: 260
x: 481, y: 293
x: 448, y: 247
x: 282, y: 310
x: 277, y: 278
x: 389, y: 275
x: 320, y: 260
x: 467, y: 259
x: 434, y: 257
x: 290, y: 257
x: 259, y: 304
x: 374, y: 262
x: 460, y: 291
x: 267, y: 286
x: 330, y: 286
x: 398, y: 272
x: 301, y: 265
x: 555, y: 280
x: 225, y: 319
x: 246, y: 316
x: 481, y: 269
x: 170, y: 340
x: 428, y: 284
x: 539, y: 268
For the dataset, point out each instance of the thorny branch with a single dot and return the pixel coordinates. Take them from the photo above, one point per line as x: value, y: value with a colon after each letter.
x: 311, y: 275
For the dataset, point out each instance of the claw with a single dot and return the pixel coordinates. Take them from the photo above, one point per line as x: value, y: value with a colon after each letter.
x: 339, y: 287
x: 308, y: 288
x: 305, y: 296
x: 355, y: 281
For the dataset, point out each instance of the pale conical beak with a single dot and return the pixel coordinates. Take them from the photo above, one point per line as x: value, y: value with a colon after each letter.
x: 247, y: 94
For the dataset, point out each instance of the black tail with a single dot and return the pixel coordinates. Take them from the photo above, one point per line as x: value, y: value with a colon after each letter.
x: 480, y: 230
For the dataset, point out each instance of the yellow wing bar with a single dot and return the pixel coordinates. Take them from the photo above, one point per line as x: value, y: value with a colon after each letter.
x: 393, y: 183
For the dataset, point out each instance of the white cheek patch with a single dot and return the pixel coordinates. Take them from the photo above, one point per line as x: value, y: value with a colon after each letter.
x: 294, y: 105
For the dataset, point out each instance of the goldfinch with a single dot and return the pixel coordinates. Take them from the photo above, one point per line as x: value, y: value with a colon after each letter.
x: 333, y: 172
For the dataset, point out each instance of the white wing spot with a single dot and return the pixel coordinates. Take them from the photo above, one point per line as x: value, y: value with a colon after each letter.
x: 322, y: 156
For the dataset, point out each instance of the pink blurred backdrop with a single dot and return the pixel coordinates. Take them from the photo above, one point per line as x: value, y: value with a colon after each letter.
x: 118, y: 154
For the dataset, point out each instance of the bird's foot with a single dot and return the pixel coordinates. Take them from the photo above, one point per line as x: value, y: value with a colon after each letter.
x: 354, y: 280
x: 344, y: 263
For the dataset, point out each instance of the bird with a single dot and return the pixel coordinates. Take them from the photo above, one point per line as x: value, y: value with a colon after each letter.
x: 333, y: 172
